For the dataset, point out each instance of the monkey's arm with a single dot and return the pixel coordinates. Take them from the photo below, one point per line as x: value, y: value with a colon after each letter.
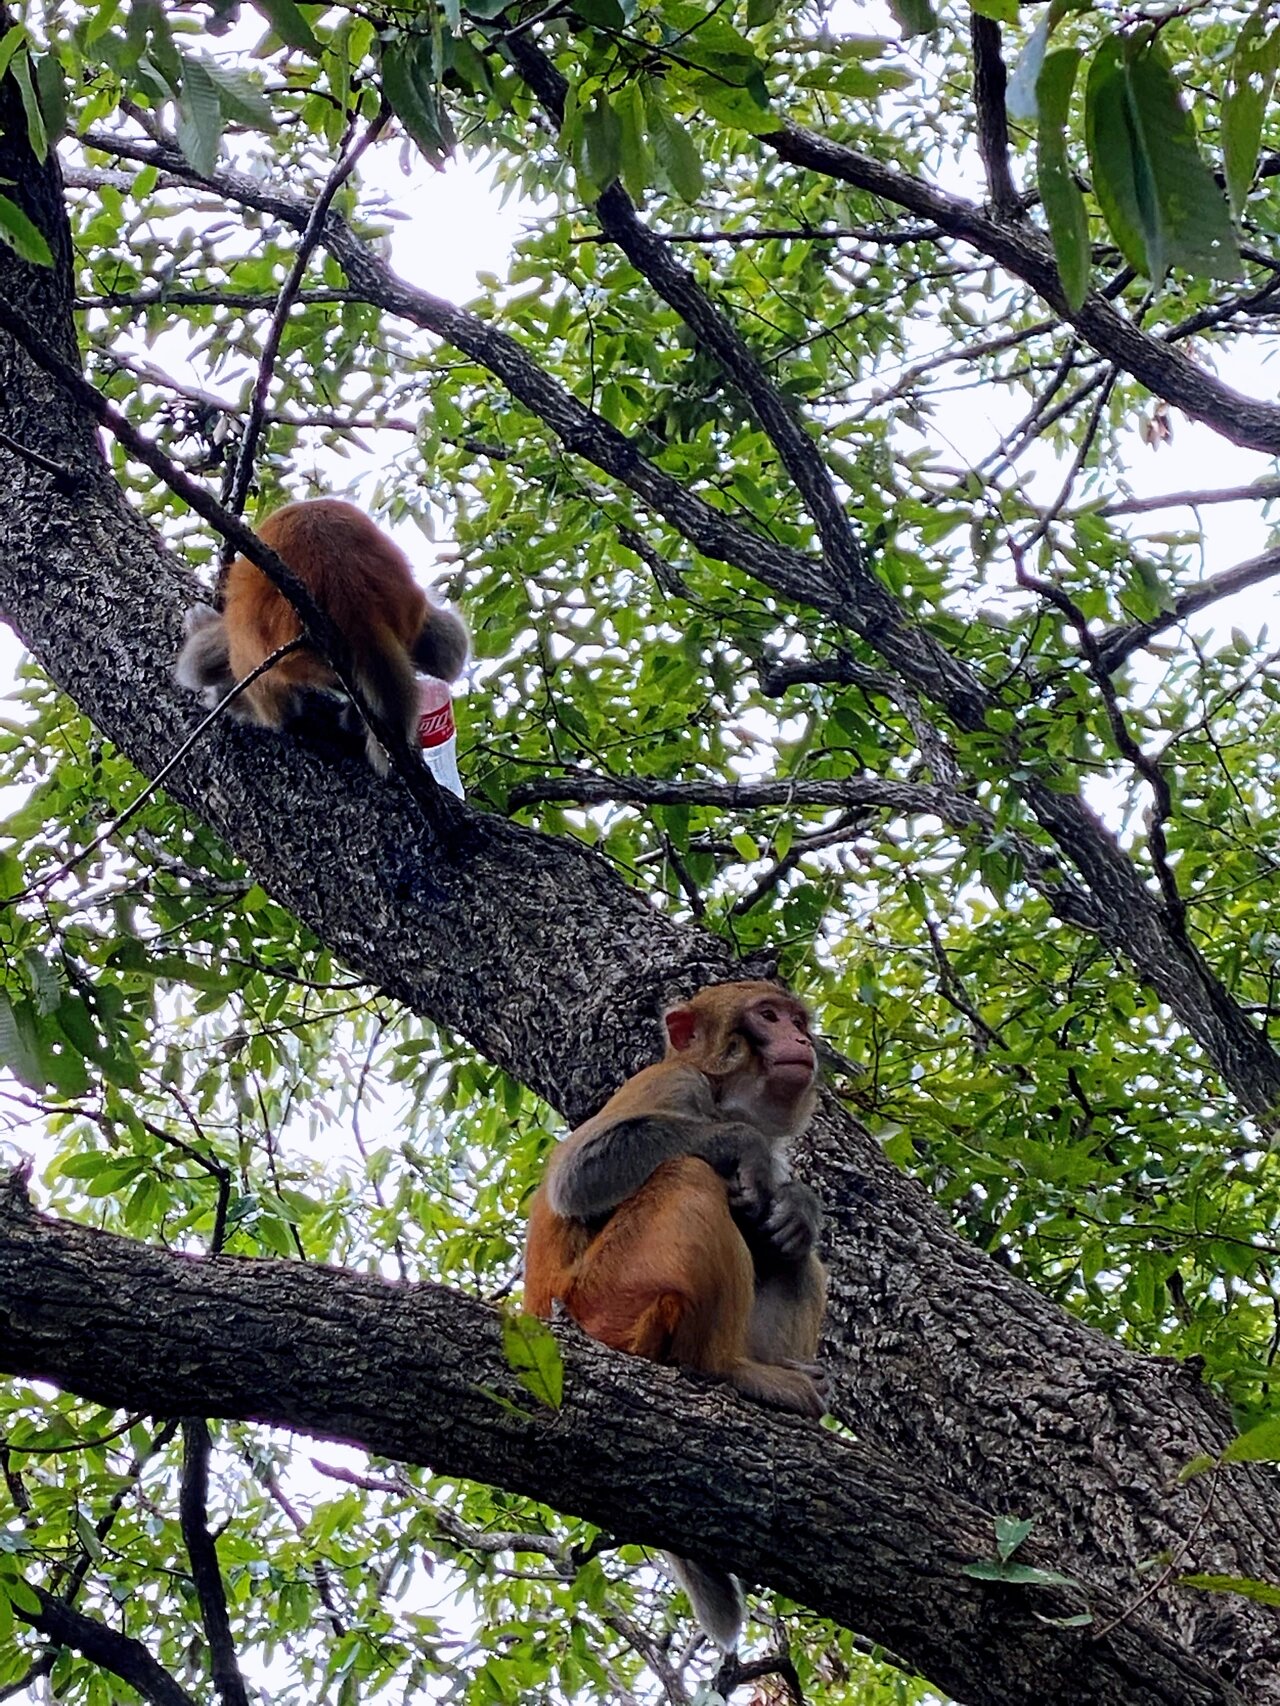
x: 664, y: 1112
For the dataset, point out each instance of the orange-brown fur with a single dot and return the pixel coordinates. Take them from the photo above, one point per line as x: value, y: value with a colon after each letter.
x: 362, y: 580
x: 682, y: 1269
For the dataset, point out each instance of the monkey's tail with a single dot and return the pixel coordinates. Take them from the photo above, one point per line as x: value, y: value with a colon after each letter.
x: 442, y: 642
x: 715, y: 1596
x: 204, y: 663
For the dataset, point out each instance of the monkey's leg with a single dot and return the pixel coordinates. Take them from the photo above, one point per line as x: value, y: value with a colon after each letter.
x: 385, y: 676
x: 552, y: 1249
x: 786, y: 1320
x: 270, y: 702
x: 671, y: 1278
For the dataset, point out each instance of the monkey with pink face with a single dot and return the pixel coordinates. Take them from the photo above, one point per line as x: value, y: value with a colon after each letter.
x: 669, y: 1225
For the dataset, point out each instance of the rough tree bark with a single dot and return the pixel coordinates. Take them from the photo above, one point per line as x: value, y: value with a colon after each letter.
x: 411, y: 1373
x: 939, y: 1356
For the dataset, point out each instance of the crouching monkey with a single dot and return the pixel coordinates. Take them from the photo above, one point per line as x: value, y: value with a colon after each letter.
x: 362, y: 580
x: 669, y: 1226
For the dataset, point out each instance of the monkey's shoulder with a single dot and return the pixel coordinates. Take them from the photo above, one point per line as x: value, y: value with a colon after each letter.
x: 667, y: 1088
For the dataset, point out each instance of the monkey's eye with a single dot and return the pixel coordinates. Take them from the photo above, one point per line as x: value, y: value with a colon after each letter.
x: 769, y: 1015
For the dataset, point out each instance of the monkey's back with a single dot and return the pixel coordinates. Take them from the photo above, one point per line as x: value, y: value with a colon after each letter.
x: 357, y: 575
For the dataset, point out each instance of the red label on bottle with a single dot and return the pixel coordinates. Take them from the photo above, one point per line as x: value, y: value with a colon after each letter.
x: 435, y: 727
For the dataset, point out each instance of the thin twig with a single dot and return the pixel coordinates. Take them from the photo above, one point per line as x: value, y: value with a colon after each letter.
x: 1162, y: 1580
x: 319, y: 1568
x: 789, y: 233
x: 953, y: 991
x: 64, y: 477
x: 1146, y: 766
x: 1259, y: 492
x: 203, y: 1553
x: 849, y: 825
x: 238, y: 485
x: 1116, y: 644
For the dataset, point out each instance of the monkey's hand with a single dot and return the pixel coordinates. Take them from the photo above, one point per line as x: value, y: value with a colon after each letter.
x: 790, y: 1228
x: 745, y: 1160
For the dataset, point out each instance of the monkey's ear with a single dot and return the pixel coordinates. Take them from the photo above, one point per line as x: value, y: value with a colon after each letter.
x: 681, y: 1023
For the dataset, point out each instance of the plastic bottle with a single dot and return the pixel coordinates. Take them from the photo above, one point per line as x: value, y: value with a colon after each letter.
x: 437, y: 732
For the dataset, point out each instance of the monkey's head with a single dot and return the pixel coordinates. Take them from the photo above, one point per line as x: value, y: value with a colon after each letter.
x: 752, y: 1041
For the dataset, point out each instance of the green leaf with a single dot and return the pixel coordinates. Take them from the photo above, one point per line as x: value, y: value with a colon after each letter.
x: 674, y: 149
x: 1198, y: 1466
x: 199, y: 117
x: 1263, y: 1593
x: 288, y: 23
x: 1061, y: 195
x: 1156, y: 192
x: 745, y: 846
x: 37, y: 135
x: 1010, y: 1533
x: 149, y: 28
x: 240, y: 96
x: 534, y: 1357
x: 409, y: 84
x: 19, y: 1044
x: 1194, y: 222
x: 601, y: 144
x: 1002, y: 11
x: 637, y: 162
x: 1249, y: 84
x: 1021, y: 1575
x: 24, y: 238
x: 741, y: 105
x: 13, y: 38
x: 1258, y: 1445
x: 101, y: 21
x: 761, y: 12
x: 51, y: 92
x: 605, y: 14
x: 22, y: 1594
x: 1119, y: 169
x: 914, y: 17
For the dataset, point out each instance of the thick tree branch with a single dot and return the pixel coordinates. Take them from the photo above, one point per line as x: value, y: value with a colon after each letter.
x: 1025, y: 253
x: 949, y: 805
x: 118, y: 1653
x: 410, y: 1373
